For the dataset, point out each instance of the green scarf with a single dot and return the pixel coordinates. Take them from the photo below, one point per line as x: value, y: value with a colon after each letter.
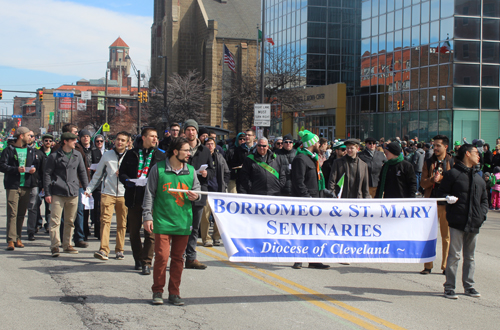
x: 388, y: 163
x: 315, y: 157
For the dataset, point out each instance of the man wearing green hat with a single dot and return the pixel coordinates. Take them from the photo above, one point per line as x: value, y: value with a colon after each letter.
x: 307, y: 177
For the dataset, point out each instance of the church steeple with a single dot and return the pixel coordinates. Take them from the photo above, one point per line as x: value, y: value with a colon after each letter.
x: 118, y: 58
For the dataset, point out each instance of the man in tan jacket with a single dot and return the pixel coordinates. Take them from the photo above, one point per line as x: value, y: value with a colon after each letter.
x: 432, y: 174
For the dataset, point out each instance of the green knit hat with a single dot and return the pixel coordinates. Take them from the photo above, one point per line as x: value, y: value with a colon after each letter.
x: 308, y: 139
x: 457, y: 143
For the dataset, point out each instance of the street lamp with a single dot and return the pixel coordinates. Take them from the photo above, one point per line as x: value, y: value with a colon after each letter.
x: 138, y: 72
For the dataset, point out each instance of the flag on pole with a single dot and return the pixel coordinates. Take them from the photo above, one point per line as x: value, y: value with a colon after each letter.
x: 120, y: 107
x: 98, y: 132
x: 268, y: 38
x: 229, y: 59
x: 341, y: 185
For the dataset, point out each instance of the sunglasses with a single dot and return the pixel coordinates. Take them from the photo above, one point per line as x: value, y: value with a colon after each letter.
x: 288, y: 142
x: 47, y: 140
x: 279, y: 143
x: 262, y: 145
x: 99, y: 141
x: 370, y: 143
x: 241, y: 139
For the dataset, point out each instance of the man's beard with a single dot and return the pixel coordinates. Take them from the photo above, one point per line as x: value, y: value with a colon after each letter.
x: 315, y: 149
x: 183, y: 161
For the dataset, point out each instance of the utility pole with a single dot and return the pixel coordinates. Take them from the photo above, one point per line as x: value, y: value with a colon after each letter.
x: 106, y: 98
x: 263, y: 47
x: 138, y: 102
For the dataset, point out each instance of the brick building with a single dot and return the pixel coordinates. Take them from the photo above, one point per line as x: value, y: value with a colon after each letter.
x: 192, y: 33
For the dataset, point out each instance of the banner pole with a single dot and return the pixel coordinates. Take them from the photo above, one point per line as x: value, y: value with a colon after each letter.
x: 333, y: 199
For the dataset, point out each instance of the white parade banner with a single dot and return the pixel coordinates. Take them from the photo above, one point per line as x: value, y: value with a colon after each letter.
x: 258, y: 228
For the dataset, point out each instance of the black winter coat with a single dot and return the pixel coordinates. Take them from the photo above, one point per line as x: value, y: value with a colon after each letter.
x: 254, y: 179
x: 202, y: 157
x: 304, y: 177
x: 469, y: 212
x: 235, y: 158
x: 128, y: 170
x: 285, y: 157
x: 374, y: 163
x: 9, y: 165
x: 400, y: 181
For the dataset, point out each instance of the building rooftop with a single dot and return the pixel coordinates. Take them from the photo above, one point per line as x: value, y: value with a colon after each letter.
x: 119, y: 43
x: 236, y: 19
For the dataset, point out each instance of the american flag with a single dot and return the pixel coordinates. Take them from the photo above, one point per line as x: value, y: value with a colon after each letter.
x: 229, y: 59
x: 120, y: 107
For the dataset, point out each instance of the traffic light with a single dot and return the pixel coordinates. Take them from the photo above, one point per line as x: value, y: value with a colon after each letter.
x: 140, y: 97
x: 145, y: 96
x: 403, y: 105
x: 40, y: 96
x: 399, y: 106
x: 1, y: 94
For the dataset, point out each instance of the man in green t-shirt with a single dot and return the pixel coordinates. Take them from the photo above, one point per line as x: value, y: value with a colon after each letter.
x: 18, y: 162
x: 172, y: 218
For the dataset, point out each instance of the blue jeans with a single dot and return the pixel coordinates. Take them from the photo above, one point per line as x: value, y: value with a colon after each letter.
x: 79, y: 234
x: 419, y: 177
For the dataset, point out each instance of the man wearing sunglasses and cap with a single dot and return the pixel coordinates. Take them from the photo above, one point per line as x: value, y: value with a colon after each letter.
x: 18, y: 162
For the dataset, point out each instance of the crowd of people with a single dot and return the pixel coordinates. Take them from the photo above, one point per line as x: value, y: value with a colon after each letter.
x: 80, y: 178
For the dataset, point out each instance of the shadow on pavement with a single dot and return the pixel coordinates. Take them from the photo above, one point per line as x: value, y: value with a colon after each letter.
x: 98, y: 299
x: 390, y: 292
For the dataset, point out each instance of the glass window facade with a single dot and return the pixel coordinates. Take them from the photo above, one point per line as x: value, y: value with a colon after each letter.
x: 324, y: 34
x: 433, y: 67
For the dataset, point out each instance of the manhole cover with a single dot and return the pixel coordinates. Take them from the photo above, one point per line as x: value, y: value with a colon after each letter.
x: 73, y: 299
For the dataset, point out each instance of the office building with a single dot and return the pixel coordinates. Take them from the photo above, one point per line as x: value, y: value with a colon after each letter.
x: 325, y: 36
x: 429, y: 67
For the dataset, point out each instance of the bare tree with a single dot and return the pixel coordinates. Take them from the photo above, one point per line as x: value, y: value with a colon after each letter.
x: 284, y: 80
x: 185, y: 100
x: 242, y: 96
x: 118, y: 120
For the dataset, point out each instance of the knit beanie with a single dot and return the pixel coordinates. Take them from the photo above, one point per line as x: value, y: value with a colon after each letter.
x: 308, y: 139
x: 191, y: 123
x: 394, y: 148
x: 203, y: 130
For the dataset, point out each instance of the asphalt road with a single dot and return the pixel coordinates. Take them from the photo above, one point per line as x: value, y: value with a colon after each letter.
x: 80, y: 292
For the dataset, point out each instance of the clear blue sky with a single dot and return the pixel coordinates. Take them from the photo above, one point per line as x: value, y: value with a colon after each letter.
x: 48, y: 43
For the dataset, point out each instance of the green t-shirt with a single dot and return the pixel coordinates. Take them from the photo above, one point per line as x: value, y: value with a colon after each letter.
x: 22, y: 154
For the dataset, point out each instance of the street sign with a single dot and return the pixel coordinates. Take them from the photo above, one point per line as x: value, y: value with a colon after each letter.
x: 64, y: 94
x: 17, y: 116
x: 86, y: 95
x: 262, y: 114
x: 105, y: 127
